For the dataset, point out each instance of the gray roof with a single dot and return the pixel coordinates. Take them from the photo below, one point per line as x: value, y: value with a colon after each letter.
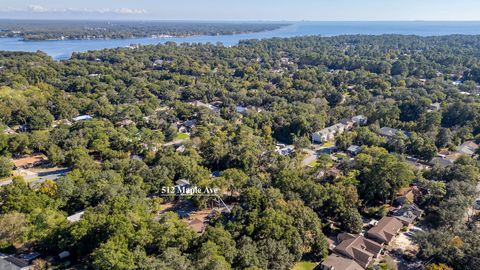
x: 13, y: 263
x: 359, y: 118
x: 408, y: 213
x: 182, y: 182
x: 354, y: 148
x: 468, y: 148
x: 443, y: 162
x: 391, y: 132
x: 336, y: 262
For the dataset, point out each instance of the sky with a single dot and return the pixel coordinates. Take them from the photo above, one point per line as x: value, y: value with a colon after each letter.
x: 243, y: 10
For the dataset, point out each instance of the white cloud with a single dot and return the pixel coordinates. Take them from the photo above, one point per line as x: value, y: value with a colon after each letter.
x: 42, y: 9
x: 129, y: 11
x: 37, y: 8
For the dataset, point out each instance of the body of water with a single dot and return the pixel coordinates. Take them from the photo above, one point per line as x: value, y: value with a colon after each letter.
x: 62, y: 49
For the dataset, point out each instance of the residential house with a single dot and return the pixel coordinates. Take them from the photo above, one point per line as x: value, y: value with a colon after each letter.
x: 468, y: 148
x: 241, y: 109
x: 408, y: 213
x: 360, y: 119
x: 457, y: 83
x: 212, y: 107
x: 358, y: 248
x: 328, y: 133
x: 390, y: 133
x: 14, y: 263
x: 323, y: 135
x: 336, y: 262
x: 181, y: 185
x: 76, y: 217
x: 180, y: 148
x: 385, y: 230
x: 158, y: 62
x: 354, y: 149
x: 407, y: 195
x: 442, y: 162
x: 284, y: 61
x: 82, y: 118
x: 186, y: 126
x: 435, y: 106
x: 285, y: 151
x: 347, y: 122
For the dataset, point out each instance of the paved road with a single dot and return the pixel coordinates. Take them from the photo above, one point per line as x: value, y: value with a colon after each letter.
x: 311, y: 156
x: 41, y: 176
x: 174, y: 142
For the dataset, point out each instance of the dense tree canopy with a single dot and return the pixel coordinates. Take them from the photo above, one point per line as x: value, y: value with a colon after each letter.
x: 264, y: 92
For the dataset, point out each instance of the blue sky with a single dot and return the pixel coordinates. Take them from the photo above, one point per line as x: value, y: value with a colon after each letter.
x: 317, y: 10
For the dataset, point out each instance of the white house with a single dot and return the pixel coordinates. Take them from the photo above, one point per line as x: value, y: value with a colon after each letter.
x: 360, y: 119
x: 82, y: 118
x: 329, y: 133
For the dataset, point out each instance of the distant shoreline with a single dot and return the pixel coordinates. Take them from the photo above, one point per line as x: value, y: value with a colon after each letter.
x: 41, y: 30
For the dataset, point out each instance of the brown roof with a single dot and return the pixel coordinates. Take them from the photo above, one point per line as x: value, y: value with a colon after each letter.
x: 408, y: 194
x: 358, y: 248
x: 30, y: 160
x: 335, y: 262
x: 385, y: 230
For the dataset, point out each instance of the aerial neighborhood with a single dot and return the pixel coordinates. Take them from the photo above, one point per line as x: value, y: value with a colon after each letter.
x: 348, y: 152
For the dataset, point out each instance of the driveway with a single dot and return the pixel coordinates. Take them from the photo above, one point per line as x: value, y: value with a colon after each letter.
x: 311, y: 156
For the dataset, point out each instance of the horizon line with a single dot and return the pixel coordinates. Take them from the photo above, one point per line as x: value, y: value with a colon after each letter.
x: 215, y: 20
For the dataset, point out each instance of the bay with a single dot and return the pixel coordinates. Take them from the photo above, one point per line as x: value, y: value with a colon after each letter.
x: 62, y: 49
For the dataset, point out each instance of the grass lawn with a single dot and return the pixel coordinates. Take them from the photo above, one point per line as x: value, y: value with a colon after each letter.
x: 328, y: 144
x: 182, y: 136
x: 341, y: 155
x: 32, y: 179
x: 304, y: 266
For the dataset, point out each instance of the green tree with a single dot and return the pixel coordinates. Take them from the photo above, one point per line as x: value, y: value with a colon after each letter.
x: 5, y: 167
x: 113, y: 254
x: 14, y: 228
x: 209, y: 258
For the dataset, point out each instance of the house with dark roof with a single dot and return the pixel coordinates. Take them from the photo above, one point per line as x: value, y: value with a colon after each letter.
x: 408, y: 213
x: 441, y: 162
x: 354, y: 149
x: 358, y: 248
x: 385, y: 230
x: 14, y: 263
x: 336, y: 262
x: 390, y: 133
